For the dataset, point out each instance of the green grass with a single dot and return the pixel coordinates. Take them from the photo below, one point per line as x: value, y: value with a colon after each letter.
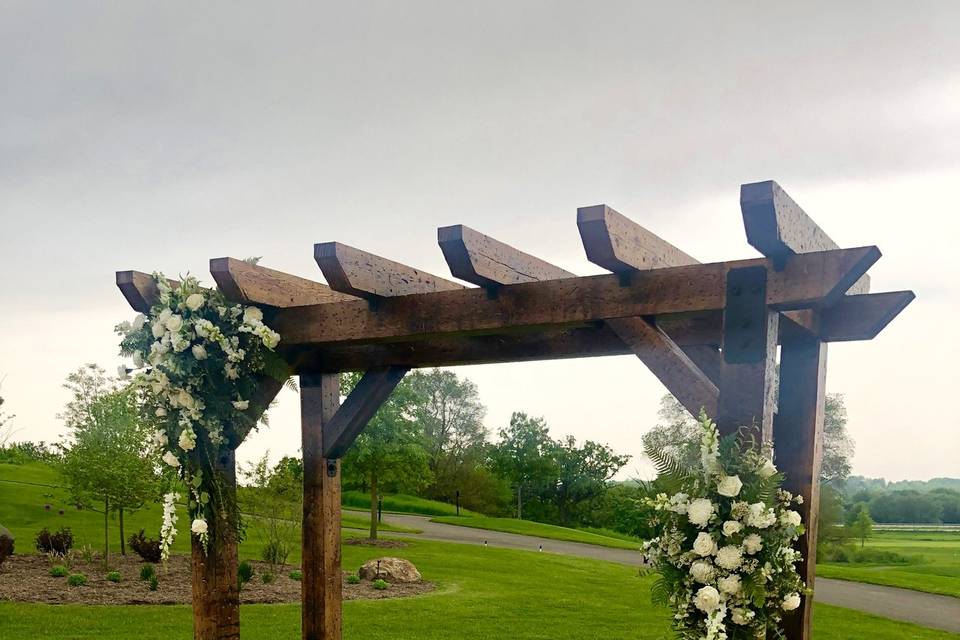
x: 553, y: 532
x: 402, y: 503
x: 937, y: 572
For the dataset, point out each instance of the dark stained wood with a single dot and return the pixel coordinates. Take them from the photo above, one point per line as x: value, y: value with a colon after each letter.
x: 618, y: 244
x: 798, y: 434
x: 862, y: 317
x: 216, y: 593
x: 322, y: 590
x: 778, y: 228
x: 482, y: 260
x: 140, y: 289
x: 252, y: 284
x: 362, y: 274
x: 360, y: 406
x: 806, y: 280
x: 706, y: 357
x: 748, y: 391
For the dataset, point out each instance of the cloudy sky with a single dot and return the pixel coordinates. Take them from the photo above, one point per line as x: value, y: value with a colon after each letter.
x: 155, y: 136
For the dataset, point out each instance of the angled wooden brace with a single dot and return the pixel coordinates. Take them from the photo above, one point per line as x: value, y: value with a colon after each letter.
x: 484, y: 261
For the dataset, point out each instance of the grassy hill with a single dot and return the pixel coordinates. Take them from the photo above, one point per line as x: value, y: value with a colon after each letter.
x: 602, y: 537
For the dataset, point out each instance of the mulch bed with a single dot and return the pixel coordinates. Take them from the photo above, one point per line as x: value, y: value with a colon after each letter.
x: 26, y: 578
x: 382, y: 544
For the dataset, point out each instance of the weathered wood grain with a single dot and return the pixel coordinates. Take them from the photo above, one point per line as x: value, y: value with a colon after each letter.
x: 806, y: 280
x: 362, y: 274
x: 140, y: 289
x: 618, y: 244
x: 252, y: 284
x: 374, y: 388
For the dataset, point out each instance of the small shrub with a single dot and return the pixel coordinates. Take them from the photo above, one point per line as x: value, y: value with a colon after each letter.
x: 147, y: 571
x: 147, y: 548
x: 6, y: 544
x: 275, y: 552
x: 113, y: 576
x: 244, y: 572
x: 154, y: 582
x: 380, y: 584
x: 267, y: 577
x: 77, y: 580
x: 59, y: 542
x: 296, y: 574
x: 59, y: 571
x: 353, y: 579
x: 87, y: 553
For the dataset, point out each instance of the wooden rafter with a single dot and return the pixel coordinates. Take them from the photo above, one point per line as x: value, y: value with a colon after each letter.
x: 477, y: 258
x: 252, y: 284
x: 365, y: 275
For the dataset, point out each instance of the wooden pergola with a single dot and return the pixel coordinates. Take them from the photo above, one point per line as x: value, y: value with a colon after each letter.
x: 709, y: 332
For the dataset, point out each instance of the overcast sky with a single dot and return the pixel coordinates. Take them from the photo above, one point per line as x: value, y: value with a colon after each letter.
x: 154, y: 136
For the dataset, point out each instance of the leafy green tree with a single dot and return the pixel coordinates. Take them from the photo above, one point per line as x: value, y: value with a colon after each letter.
x: 524, y: 456
x: 862, y: 527
x: 389, y: 451
x: 838, y: 446
x: 106, y: 457
x: 582, y: 476
x: 274, y: 496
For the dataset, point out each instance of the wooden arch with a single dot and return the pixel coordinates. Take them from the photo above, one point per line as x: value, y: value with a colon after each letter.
x: 709, y: 332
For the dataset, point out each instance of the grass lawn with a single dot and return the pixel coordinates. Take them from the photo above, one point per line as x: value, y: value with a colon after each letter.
x: 402, y: 503
x: 937, y: 572
x: 599, y: 537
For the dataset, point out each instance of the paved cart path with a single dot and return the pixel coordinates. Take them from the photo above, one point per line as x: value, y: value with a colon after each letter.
x: 929, y: 610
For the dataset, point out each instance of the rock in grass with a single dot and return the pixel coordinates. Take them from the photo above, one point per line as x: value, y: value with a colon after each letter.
x: 393, y: 570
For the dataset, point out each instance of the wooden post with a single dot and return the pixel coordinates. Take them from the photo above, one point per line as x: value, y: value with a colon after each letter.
x: 322, y: 581
x: 798, y: 438
x: 216, y: 593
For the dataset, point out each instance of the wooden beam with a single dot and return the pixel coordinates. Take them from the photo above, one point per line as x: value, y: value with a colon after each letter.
x: 365, y: 275
x: 862, y: 317
x: 360, y: 406
x: 140, y: 289
x: 618, y: 244
x: 247, y: 283
x: 798, y: 437
x: 778, y: 228
x: 482, y: 260
x: 322, y: 594
x: 806, y: 280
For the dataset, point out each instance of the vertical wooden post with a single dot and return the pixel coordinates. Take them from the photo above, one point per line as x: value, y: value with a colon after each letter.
x: 322, y: 581
x: 216, y: 593
x: 798, y: 437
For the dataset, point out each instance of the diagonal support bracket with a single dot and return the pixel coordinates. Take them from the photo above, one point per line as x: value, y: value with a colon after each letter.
x: 356, y: 411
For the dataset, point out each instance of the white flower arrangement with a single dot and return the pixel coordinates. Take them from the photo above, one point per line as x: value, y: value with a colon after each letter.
x: 724, y: 545
x: 198, y: 362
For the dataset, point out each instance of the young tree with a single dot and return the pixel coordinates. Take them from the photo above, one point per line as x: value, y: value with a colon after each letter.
x: 862, y: 527
x: 105, y: 457
x: 274, y: 496
x: 524, y: 456
x: 390, y: 449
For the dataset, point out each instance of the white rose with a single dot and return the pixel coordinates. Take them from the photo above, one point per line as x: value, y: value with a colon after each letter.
x: 741, y: 616
x: 157, y: 329
x: 790, y: 518
x: 729, y: 557
x: 702, y: 571
x: 700, y: 511
x: 704, y: 544
x: 241, y: 405
x: 730, y: 584
x: 199, y: 352
x: 199, y: 526
x: 186, y: 441
x: 752, y: 543
x: 194, y: 301
x: 731, y: 527
x: 767, y: 470
x: 173, y: 323
x: 729, y: 486
x: 171, y: 459
x: 252, y: 315
x: 707, y: 599
x: 791, y: 602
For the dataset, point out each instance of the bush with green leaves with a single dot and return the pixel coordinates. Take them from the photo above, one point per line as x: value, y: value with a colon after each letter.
x: 113, y: 576
x: 77, y: 580
x: 154, y: 582
x: 244, y: 572
x: 267, y: 577
x: 147, y: 571
x: 353, y: 579
x: 296, y: 574
x: 59, y: 542
x: 59, y: 571
x: 275, y: 552
x: 380, y: 584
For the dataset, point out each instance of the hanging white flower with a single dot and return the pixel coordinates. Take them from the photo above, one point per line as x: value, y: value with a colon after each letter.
x: 729, y: 486
x: 199, y: 526
x: 168, y: 529
x: 702, y: 571
x: 707, y: 599
x: 194, y: 301
x: 730, y: 584
x: 752, y: 544
x: 199, y: 352
x: 241, y: 405
x: 171, y: 459
x: 704, y: 544
x: 791, y: 602
x: 700, y: 511
x: 732, y: 527
x: 729, y: 558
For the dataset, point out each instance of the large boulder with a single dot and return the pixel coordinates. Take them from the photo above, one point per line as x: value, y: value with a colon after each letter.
x: 390, y: 569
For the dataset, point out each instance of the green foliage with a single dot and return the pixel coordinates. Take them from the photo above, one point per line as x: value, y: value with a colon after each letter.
x: 274, y: 497
x: 296, y: 574
x: 77, y: 580
x: 59, y: 542
x: 154, y: 582
x: 244, y: 572
x: 846, y: 554
x: 113, y: 576
x: 147, y: 571
x: 862, y: 526
x: 27, y: 452
x: 59, y: 571
x: 380, y: 584
x: 267, y: 577
x: 353, y: 579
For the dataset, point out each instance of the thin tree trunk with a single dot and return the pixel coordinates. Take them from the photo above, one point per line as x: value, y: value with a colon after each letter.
x: 216, y: 594
x: 519, y: 502
x: 374, y: 496
x: 123, y: 544
x: 106, y: 532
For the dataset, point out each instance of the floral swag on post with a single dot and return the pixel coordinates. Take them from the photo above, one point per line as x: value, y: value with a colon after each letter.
x: 199, y: 359
x: 724, y: 545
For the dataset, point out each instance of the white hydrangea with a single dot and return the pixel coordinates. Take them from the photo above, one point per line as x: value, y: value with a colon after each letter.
x: 730, y: 585
x: 760, y: 516
x: 700, y: 511
x: 729, y: 558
